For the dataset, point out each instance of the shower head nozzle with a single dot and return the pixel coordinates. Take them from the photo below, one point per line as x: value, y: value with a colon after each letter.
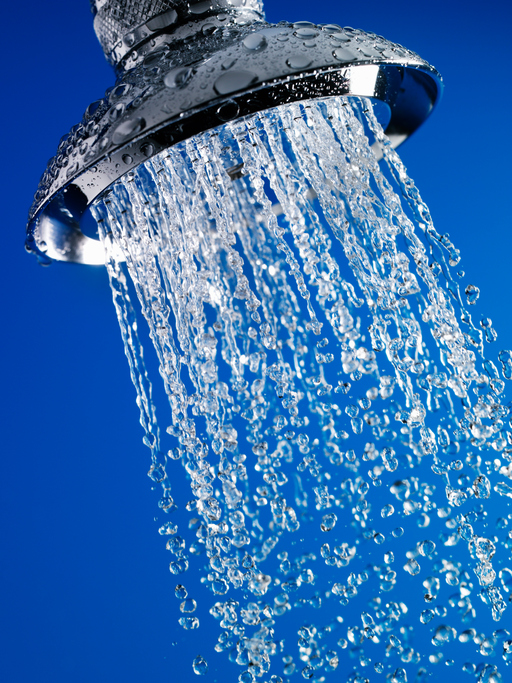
x: 187, y: 67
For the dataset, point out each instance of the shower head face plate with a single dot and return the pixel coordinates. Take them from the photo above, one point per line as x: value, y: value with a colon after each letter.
x: 217, y: 70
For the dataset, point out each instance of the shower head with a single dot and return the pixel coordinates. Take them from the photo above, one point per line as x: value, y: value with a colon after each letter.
x: 187, y: 67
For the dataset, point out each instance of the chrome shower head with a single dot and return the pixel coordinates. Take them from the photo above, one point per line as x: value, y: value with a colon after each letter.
x: 186, y: 67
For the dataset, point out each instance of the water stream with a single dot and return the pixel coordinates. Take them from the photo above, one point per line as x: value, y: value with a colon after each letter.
x: 335, y: 453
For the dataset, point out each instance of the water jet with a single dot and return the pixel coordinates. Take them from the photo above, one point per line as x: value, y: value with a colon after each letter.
x: 274, y: 262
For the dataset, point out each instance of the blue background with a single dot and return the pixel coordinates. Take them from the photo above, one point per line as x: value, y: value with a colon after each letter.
x: 87, y: 595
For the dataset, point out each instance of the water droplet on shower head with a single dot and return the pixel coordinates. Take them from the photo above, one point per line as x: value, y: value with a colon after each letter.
x: 342, y: 54
x: 116, y: 112
x: 178, y: 77
x: 129, y: 39
x: 228, y: 63
x: 128, y: 130
x: 147, y: 149
x: 234, y: 80
x: 298, y: 61
x: 199, y: 7
x: 304, y: 25
x: 162, y: 20
x: 228, y: 111
x: 255, y: 42
x: 341, y: 37
x: 307, y: 32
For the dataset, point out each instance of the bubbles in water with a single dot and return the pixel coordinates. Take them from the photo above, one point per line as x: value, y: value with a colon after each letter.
x: 336, y: 443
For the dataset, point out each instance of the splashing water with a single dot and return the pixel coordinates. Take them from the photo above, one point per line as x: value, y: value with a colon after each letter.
x: 336, y: 460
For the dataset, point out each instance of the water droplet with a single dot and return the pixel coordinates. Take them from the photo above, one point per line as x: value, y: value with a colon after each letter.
x: 228, y: 111
x: 308, y: 32
x: 178, y: 77
x: 412, y: 567
x: 180, y: 592
x: 119, y: 91
x: 128, y: 130
x: 427, y: 615
x: 298, y: 61
x: 387, y: 510
x: 188, y: 606
x: 200, y: 665
x: 234, y: 80
x: 427, y: 548
x: 255, y: 42
x: 228, y: 63
x: 342, y: 54
x: 93, y: 108
x: 472, y: 294
x: 341, y: 37
x: 199, y: 7
x: 328, y: 522
x: 304, y: 25
x: 399, y: 676
x: 189, y: 623
x: 147, y: 149
x: 168, y: 529
x: 482, y: 487
x: 127, y: 159
x: 162, y: 20
x: 506, y: 579
x: 443, y: 634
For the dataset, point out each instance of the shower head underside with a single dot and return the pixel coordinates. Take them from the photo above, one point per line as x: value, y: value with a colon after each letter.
x: 187, y: 67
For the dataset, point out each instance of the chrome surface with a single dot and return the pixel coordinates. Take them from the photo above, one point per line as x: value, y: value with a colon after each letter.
x: 124, y: 26
x: 200, y: 74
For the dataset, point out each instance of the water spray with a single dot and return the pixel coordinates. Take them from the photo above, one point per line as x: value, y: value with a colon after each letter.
x: 333, y: 456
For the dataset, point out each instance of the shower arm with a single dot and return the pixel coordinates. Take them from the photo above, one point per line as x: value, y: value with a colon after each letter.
x: 186, y: 67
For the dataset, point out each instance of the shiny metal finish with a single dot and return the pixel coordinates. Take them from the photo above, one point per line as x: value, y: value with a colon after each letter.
x: 123, y: 26
x: 200, y: 74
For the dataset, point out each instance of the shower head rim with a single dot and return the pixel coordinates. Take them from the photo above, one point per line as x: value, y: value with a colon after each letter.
x: 54, y: 229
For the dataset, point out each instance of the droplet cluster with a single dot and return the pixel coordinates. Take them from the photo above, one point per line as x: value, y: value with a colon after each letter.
x: 332, y: 423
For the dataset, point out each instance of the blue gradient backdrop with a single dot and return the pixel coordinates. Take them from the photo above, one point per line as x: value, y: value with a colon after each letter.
x: 86, y: 593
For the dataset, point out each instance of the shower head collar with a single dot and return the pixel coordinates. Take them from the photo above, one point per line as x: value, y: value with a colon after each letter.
x: 123, y: 27
x: 200, y: 72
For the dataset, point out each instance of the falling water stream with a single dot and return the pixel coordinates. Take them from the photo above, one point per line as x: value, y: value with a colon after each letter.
x: 335, y: 455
